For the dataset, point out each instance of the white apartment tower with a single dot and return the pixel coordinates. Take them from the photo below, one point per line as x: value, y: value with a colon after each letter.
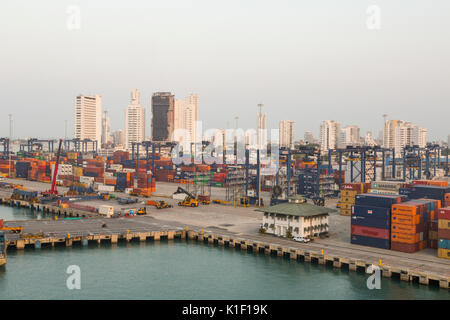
x: 185, y: 120
x: 106, y: 128
x: 261, y: 129
x: 88, y: 118
x: 398, y: 134
x: 351, y: 136
x: 134, y: 120
x: 330, y: 134
x: 287, y: 132
x: 190, y: 115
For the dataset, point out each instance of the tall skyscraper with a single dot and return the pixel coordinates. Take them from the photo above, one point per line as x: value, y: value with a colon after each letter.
x: 163, y: 105
x: 190, y: 115
x: 390, y: 129
x: 350, y: 136
x: 330, y: 133
x: 134, y: 120
x: 261, y: 128
x: 88, y: 118
x: 287, y: 132
x: 106, y: 129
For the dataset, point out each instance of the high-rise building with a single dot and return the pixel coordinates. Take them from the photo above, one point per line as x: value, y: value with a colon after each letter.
x: 134, y: 120
x: 330, y: 133
x: 261, y: 129
x: 350, y: 136
x: 88, y: 118
x: 190, y: 115
x: 119, y: 138
x: 398, y: 134
x: 106, y: 129
x: 163, y: 105
x: 309, y: 137
x: 287, y: 133
x: 390, y: 128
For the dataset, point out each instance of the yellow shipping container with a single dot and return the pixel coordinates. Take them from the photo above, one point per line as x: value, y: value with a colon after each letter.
x: 348, y: 193
x: 347, y: 206
x: 444, y: 224
x: 77, y: 171
x: 444, y: 253
x: 350, y: 200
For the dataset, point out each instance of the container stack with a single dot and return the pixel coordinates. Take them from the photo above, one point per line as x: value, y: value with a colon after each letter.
x: 410, y: 222
x: 444, y: 233
x: 371, y: 219
x: 145, y: 184
x: 433, y: 234
x: 124, y: 181
x: 386, y: 187
x: 348, y: 196
x: 6, y: 166
x: 447, y: 200
x: 120, y: 156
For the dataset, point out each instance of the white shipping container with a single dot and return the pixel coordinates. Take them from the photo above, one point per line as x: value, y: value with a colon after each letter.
x: 107, y: 211
x: 128, y: 190
x: 106, y: 188
x: 87, y: 180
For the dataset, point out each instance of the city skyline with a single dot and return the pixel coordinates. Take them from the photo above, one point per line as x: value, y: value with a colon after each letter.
x: 325, y: 66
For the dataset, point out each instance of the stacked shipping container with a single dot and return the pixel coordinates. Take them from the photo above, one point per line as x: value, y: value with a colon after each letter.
x: 444, y: 233
x: 348, y: 196
x: 371, y: 220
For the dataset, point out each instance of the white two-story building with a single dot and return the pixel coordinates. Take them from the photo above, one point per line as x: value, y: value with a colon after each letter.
x: 297, y: 217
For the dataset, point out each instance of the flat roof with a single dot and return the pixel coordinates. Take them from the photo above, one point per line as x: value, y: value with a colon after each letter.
x: 297, y: 209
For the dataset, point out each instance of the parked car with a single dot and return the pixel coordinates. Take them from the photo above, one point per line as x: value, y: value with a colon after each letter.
x: 301, y: 239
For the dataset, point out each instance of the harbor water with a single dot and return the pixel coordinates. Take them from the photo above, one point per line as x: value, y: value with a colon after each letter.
x: 185, y: 270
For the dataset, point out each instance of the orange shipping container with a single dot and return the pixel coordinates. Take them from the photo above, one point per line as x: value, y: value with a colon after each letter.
x: 405, y: 219
x: 406, y: 238
x: 407, y: 229
x: 406, y: 209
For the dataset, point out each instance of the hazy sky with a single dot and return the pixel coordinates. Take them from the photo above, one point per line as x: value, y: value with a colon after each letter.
x: 307, y: 61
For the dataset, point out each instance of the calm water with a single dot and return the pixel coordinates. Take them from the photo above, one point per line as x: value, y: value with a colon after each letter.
x: 181, y: 270
x: 13, y: 213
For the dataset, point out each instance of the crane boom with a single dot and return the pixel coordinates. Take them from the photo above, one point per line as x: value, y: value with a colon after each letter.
x: 53, y: 190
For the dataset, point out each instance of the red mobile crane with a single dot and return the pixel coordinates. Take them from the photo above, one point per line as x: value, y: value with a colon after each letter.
x: 53, y: 190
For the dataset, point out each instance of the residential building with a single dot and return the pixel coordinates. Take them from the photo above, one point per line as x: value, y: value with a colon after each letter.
x: 88, y: 118
x: 369, y: 140
x: 287, y: 132
x: 398, y: 134
x: 163, y: 105
x: 119, y: 138
x: 297, y: 218
x: 350, y: 136
x: 106, y: 129
x: 330, y: 134
x: 261, y: 130
x: 309, y: 137
x: 134, y: 121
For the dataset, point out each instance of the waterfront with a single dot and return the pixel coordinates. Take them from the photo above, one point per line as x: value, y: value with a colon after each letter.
x: 12, y: 213
x: 186, y: 270
x: 182, y: 270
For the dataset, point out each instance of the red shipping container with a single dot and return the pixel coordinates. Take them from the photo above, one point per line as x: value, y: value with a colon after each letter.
x: 444, y: 234
x: 1, y: 223
x: 405, y: 247
x: 444, y: 213
x: 433, y: 244
x: 371, y: 232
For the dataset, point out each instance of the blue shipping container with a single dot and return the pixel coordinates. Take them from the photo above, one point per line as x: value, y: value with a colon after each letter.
x: 369, y: 211
x: 444, y: 244
x: 371, y: 222
x: 371, y: 242
x: 371, y: 199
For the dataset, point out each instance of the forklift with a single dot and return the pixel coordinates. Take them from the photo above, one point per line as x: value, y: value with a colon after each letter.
x: 189, y: 201
x: 159, y: 204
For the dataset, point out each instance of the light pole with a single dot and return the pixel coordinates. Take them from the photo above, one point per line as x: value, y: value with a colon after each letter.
x: 10, y: 144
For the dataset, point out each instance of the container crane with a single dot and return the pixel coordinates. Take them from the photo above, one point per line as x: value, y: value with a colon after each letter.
x: 54, y: 191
